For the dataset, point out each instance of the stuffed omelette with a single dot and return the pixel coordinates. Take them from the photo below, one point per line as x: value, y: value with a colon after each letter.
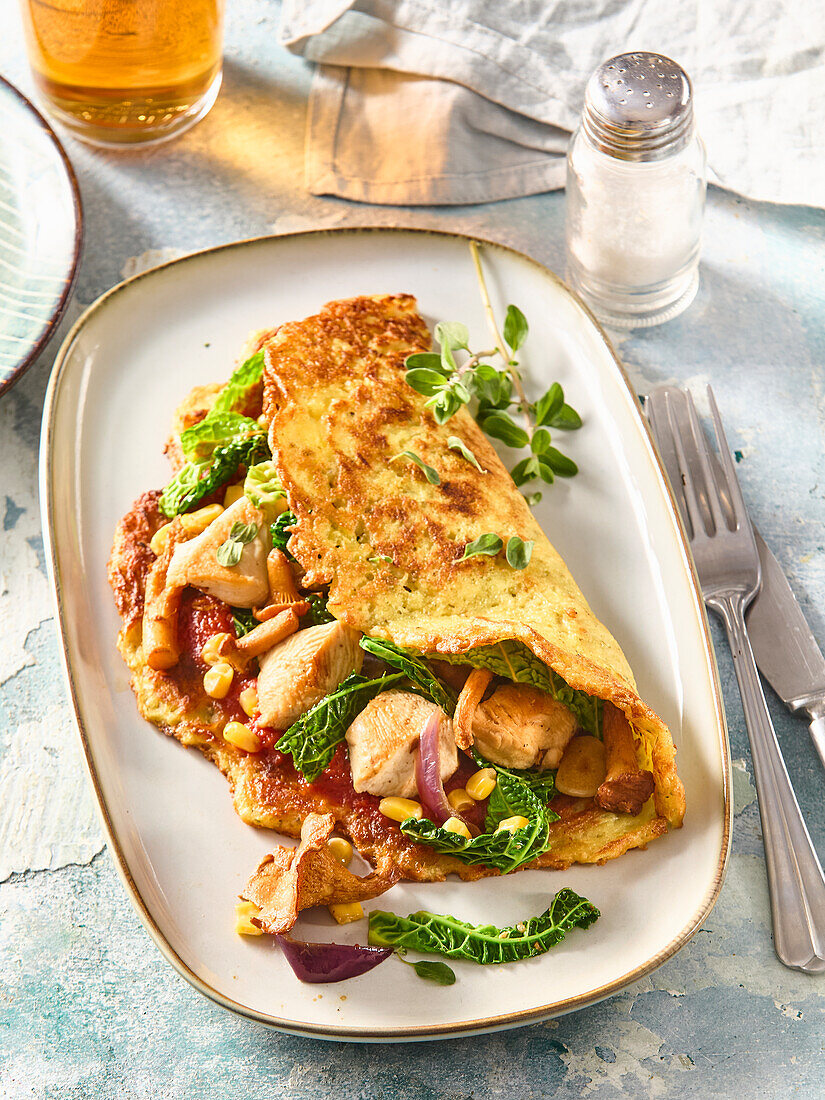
x: 297, y: 604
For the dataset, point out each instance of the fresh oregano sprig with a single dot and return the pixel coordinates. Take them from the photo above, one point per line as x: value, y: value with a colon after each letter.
x: 517, y: 553
x: 229, y: 552
x: 448, y: 384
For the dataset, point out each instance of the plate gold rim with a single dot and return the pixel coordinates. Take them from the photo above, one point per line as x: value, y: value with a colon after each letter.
x: 424, y: 1031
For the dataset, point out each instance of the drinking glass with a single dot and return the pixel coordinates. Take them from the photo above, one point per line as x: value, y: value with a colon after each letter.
x: 119, y: 72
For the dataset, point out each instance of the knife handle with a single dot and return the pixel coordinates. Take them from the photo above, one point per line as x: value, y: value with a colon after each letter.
x: 817, y: 728
x: 795, y: 880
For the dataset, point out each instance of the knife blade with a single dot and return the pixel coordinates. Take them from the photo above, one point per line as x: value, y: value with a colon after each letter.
x: 786, y: 651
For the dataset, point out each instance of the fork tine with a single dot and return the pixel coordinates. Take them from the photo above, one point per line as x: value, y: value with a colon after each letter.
x: 703, y: 451
x: 734, y: 490
x: 694, y: 512
x: 656, y: 409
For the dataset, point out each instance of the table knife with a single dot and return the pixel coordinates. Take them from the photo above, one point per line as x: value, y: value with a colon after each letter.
x: 786, y: 651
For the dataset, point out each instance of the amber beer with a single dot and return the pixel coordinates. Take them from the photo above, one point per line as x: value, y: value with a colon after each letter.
x: 124, y: 71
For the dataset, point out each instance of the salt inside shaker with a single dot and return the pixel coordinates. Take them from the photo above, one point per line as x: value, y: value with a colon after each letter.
x: 636, y: 192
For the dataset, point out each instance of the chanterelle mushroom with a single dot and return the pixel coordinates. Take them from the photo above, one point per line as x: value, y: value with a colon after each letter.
x: 292, y: 879
x: 626, y: 786
x: 162, y: 603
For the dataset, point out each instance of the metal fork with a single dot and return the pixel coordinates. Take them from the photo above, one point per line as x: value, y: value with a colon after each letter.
x: 727, y: 563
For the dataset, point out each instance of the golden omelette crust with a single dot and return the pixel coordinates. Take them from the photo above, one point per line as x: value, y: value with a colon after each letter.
x: 339, y: 413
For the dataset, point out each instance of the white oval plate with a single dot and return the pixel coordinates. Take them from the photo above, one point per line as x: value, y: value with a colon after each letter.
x: 180, y: 848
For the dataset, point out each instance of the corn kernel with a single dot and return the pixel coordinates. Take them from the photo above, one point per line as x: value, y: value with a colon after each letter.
x: 399, y: 809
x: 196, y: 522
x: 456, y: 825
x: 218, y: 680
x: 248, y: 699
x: 215, y: 647
x: 241, y: 736
x: 346, y: 913
x: 233, y: 493
x: 482, y: 784
x: 510, y: 824
x: 341, y: 849
x: 244, y: 911
x: 160, y: 539
x: 460, y: 800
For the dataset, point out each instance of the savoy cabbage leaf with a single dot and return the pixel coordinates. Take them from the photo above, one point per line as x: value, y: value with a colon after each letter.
x: 436, y: 934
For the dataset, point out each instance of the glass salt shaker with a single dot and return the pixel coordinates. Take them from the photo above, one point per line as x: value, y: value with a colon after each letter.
x: 636, y: 193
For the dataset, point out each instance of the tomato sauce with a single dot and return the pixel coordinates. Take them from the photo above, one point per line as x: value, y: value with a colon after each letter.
x: 335, y: 784
x: 200, y: 617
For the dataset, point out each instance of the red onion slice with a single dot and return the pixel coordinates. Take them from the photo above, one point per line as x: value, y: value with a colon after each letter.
x: 330, y: 962
x: 428, y: 773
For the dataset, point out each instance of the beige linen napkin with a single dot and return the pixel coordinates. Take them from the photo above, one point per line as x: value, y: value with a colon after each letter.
x: 427, y: 102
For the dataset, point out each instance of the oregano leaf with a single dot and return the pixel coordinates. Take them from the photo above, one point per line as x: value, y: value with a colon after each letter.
x: 519, y: 552
x: 501, y: 426
x: 243, y: 532
x: 526, y: 470
x: 444, y: 405
x: 229, y: 553
x: 425, y: 381
x: 515, y: 327
x: 437, y: 972
x: 429, y: 473
x: 545, y: 472
x: 492, y: 387
x: 540, y: 441
x: 426, y: 360
x: 566, y: 419
x: 456, y: 444
x: 461, y: 392
x: 452, y: 334
x: 559, y: 463
x: 549, y: 405
x: 488, y: 543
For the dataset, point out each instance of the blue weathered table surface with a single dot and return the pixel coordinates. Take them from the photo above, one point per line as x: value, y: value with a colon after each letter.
x: 88, y: 1008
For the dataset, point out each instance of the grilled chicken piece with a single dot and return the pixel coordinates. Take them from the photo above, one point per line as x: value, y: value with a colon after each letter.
x: 522, y: 727
x: 383, y: 741
x: 297, y: 673
x: 243, y: 585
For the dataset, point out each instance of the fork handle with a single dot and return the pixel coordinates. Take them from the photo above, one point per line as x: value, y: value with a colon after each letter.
x: 795, y: 879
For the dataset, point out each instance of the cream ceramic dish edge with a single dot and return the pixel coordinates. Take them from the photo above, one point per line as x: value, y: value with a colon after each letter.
x: 95, y: 748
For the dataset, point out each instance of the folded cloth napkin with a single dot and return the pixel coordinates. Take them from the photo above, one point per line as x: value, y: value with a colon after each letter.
x: 427, y: 102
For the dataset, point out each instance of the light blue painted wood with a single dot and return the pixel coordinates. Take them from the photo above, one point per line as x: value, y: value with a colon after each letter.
x: 88, y: 1009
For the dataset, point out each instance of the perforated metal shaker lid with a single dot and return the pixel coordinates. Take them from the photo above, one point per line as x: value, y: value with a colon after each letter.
x: 639, y: 106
